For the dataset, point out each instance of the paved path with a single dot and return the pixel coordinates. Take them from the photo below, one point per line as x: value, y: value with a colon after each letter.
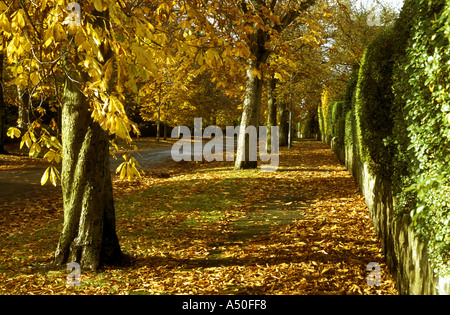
x: 147, y: 158
x: 21, y: 184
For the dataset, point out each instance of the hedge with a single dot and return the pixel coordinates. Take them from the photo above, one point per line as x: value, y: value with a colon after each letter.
x: 325, y: 114
x: 396, y: 117
x: 373, y: 103
x: 422, y: 88
x: 338, y: 122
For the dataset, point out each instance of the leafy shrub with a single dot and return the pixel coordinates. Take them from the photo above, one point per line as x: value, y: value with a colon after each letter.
x: 325, y: 113
x: 373, y: 102
x: 329, y: 119
x: 338, y: 122
x: 350, y: 90
x: 348, y: 137
x: 399, y: 139
x: 397, y: 118
x: 348, y: 108
x: 321, y: 120
x: 423, y: 86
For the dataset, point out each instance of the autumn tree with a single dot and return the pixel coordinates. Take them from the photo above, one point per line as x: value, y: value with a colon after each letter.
x: 339, y: 31
x: 90, y: 236
x: 2, y: 107
x: 99, y: 48
x: 211, y: 102
x: 296, y: 60
x: 228, y: 36
x: 200, y: 71
x: 348, y: 31
x: 264, y: 22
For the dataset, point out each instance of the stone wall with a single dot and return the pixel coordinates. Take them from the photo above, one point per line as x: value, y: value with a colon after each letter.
x: 406, y: 254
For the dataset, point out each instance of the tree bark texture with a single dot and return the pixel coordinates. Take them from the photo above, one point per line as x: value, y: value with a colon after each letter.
x: 88, y: 236
x: 89, y: 231
x: 250, y: 116
x: 283, y: 120
x: 2, y: 109
x: 252, y: 98
x: 271, y: 111
x: 24, y: 109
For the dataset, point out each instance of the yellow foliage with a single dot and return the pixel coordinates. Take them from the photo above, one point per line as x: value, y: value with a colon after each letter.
x: 129, y: 168
x: 325, y: 98
x: 174, y: 42
x: 18, y: 20
x: 51, y: 173
x: 13, y: 132
x: 3, y: 6
x: 4, y: 23
x: 100, y: 5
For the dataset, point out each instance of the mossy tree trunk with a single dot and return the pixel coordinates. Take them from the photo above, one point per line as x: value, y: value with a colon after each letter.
x: 250, y: 116
x: 2, y: 108
x: 271, y: 111
x: 89, y: 231
x: 252, y: 97
x: 89, y: 235
x: 283, y: 121
x: 24, y: 108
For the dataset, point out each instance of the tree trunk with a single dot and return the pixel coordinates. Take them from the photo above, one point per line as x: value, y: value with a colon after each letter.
x: 89, y: 231
x: 252, y: 98
x: 257, y: 45
x: 2, y: 109
x: 250, y: 116
x: 88, y: 236
x: 283, y: 120
x: 24, y: 109
x: 271, y: 111
x: 2, y: 124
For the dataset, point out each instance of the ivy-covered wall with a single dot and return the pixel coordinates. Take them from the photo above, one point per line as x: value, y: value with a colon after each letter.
x: 422, y: 89
x: 394, y: 127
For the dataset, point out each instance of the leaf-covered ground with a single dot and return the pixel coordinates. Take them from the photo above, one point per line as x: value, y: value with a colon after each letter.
x: 203, y: 228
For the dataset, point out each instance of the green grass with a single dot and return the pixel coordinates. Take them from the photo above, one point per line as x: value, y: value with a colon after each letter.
x: 168, y: 209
